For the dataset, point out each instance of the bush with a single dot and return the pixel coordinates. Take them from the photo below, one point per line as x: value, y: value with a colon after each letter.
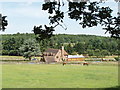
x: 5, y: 52
x: 13, y: 53
x: 117, y: 58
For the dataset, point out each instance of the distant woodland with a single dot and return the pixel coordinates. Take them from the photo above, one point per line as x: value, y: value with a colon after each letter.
x: 74, y: 44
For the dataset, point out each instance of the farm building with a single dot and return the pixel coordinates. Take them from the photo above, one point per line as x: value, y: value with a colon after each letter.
x: 55, y: 55
x: 76, y: 58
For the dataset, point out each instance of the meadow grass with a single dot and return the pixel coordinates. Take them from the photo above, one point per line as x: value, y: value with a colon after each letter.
x: 0, y: 76
x: 15, y: 58
x: 58, y: 76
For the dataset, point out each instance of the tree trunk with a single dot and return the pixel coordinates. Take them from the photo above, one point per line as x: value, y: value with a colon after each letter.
x: 30, y: 58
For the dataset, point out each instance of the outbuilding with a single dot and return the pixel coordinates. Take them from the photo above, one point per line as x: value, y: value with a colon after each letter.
x: 76, y: 58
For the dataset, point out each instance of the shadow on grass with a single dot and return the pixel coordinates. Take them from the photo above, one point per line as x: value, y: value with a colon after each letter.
x: 109, y: 88
x: 112, y: 88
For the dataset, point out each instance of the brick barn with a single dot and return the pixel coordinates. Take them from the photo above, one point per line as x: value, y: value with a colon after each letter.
x: 55, y: 55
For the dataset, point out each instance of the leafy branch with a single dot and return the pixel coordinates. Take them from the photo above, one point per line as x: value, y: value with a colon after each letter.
x: 88, y: 14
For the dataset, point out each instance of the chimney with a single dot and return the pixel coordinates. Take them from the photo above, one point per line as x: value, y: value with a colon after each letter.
x: 62, y: 52
x: 63, y: 48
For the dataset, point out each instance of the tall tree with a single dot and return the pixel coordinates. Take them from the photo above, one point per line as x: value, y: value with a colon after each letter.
x: 80, y: 47
x: 105, y: 53
x: 11, y: 45
x: 97, y: 53
x: 90, y: 52
x: 69, y: 48
x: 30, y: 48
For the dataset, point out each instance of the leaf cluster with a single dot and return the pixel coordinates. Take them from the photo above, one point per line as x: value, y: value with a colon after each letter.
x: 50, y: 6
x: 29, y: 48
x: 88, y: 14
x: 113, y: 26
x: 4, y: 23
x: 54, y: 8
x: 43, y: 33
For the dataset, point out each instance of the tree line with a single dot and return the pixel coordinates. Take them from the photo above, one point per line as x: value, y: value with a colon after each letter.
x: 74, y: 44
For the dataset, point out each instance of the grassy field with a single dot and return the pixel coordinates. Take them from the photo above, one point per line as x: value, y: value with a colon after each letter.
x: 22, y: 58
x: 15, y: 58
x: 58, y: 76
x: 11, y: 58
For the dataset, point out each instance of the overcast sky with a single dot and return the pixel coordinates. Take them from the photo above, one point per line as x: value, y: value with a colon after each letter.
x: 23, y: 15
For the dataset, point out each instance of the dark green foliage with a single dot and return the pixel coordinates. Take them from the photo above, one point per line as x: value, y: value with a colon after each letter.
x: 117, y: 58
x: 90, y: 52
x: 97, y: 52
x: 113, y: 26
x: 44, y: 44
x: 12, y: 42
x: 6, y: 52
x: 29, y: 48
x: 80, y: 47
x: 104, y: 53
x: 70, y: 49
x: 88, y: 14
x: 76, y: 10
x: 50, y: 6
x: 14, y: 52
x: 4, y: 23
x: 74, y: 44
x: 43, y: 36
x: 58, y: 17
x: 43, y: 33
x: 11, y: 45
x: 54, y: 7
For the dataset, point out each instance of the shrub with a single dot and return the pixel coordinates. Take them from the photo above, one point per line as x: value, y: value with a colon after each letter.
x: 117, y: 58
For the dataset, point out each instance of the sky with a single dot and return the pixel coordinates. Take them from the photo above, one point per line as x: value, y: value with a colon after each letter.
x: 23, y: 15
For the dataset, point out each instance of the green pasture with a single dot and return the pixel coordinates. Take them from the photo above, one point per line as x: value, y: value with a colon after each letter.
x: 13, y: 58
x: 58, y: 76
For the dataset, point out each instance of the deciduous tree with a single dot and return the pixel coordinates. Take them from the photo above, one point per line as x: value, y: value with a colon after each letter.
x: 30, y: 48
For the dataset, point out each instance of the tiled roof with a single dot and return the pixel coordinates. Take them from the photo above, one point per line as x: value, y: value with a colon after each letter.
x: 54, y: 51
x: 50, y: 50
